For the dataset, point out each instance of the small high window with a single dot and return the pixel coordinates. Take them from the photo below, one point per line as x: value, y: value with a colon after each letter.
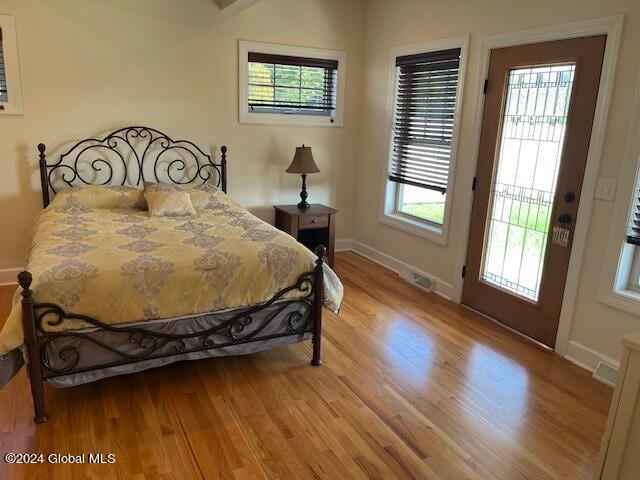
x: 290, y: 85
x: 283, y: 84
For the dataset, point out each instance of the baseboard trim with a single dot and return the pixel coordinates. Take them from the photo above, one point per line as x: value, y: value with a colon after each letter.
x: 9, y: 276
x: 603, y: 368
x: 443, y: 288
x: 344, y: 245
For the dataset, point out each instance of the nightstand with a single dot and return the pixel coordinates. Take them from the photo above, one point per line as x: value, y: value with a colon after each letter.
x: 311, y: 226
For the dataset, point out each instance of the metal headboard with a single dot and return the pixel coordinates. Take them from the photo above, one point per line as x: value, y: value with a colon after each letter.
x: 131, y: 156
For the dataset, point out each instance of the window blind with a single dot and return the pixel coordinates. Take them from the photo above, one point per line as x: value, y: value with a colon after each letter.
x: 426, y: 90
x: 285, y: 84
x: 633, y: 236
x: 3, y: 76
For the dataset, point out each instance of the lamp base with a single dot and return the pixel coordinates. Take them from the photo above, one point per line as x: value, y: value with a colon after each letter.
x: 303, y: 193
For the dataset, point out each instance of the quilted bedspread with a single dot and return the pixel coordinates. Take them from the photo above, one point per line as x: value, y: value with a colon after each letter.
x: 96, y: 252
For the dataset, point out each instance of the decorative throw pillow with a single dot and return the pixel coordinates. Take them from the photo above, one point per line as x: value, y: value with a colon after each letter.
x: 201, y: 194
x: 166, y: 200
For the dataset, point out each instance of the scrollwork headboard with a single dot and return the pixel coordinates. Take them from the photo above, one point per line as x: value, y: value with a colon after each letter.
x: 131, y: 156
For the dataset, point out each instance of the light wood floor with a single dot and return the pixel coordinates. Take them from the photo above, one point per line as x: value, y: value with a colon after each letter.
x: 412, y: 386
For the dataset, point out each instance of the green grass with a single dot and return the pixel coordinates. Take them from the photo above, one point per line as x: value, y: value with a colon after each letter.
x: 433, y: 212
x: 523, y: 214
x: 530, y: 215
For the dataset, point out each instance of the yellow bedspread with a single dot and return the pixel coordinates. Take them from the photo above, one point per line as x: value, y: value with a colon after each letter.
x: 95, y: 252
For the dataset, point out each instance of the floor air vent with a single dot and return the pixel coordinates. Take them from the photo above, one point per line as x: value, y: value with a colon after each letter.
x: 606, y: 373
x: 419, y: 280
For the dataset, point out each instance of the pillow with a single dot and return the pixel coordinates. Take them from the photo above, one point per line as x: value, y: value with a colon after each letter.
x: 166, y: 200
x: 101, y: 196
x: 201, y: 194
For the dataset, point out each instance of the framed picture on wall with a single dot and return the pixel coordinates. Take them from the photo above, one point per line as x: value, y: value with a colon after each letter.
x: 10, y: 88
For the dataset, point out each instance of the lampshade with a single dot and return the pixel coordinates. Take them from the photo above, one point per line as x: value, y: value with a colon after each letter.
x: 303, y: 161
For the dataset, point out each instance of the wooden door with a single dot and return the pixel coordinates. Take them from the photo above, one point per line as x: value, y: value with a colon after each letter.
x: 538, y: 115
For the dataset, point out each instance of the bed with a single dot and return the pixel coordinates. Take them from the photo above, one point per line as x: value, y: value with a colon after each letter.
x: 110, y: 290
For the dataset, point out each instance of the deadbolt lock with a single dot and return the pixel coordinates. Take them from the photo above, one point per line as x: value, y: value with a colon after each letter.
x: 564, y: 219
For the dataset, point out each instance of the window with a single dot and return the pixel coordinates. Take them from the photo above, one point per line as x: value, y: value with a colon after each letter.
x: 427, y: 95
x: 282, y: 84
x: 633, y: 242
x: 422, y: 203
x: 290, y: 85
x: 625, y: 269
x: 10, y: 92
x: 633, y: 281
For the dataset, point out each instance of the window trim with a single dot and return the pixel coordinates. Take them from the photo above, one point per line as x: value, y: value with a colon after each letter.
x: 291, y: 119
x: 12, y: 66
x: 389, y: 214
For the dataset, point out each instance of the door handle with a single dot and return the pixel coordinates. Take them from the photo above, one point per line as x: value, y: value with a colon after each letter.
x: 564, y: 219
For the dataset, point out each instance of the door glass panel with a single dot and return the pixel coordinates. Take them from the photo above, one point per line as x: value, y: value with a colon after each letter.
x: 523, y: 188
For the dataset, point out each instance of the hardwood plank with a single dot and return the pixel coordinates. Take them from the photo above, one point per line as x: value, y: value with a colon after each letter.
x: 412, y: 386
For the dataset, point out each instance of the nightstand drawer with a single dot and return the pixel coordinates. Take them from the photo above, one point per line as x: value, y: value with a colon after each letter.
x: 307, y: 222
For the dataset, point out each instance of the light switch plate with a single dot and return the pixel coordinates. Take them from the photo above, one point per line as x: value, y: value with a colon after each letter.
x: 606, y: 189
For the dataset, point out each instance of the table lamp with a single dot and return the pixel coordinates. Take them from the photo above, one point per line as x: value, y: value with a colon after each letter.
x: 303, y: 163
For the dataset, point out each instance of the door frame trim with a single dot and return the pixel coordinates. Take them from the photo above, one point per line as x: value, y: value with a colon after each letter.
x: 610, y: 26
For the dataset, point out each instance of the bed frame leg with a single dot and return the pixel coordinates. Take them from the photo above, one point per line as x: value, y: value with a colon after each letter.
x: 318, y: 296
x: 34, y: 364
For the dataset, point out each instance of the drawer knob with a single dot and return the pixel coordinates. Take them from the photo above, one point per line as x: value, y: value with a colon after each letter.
x: 315, y: 220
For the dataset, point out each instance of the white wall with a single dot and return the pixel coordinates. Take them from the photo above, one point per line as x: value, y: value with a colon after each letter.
x: 391, y: 24
x: 91, y: 66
